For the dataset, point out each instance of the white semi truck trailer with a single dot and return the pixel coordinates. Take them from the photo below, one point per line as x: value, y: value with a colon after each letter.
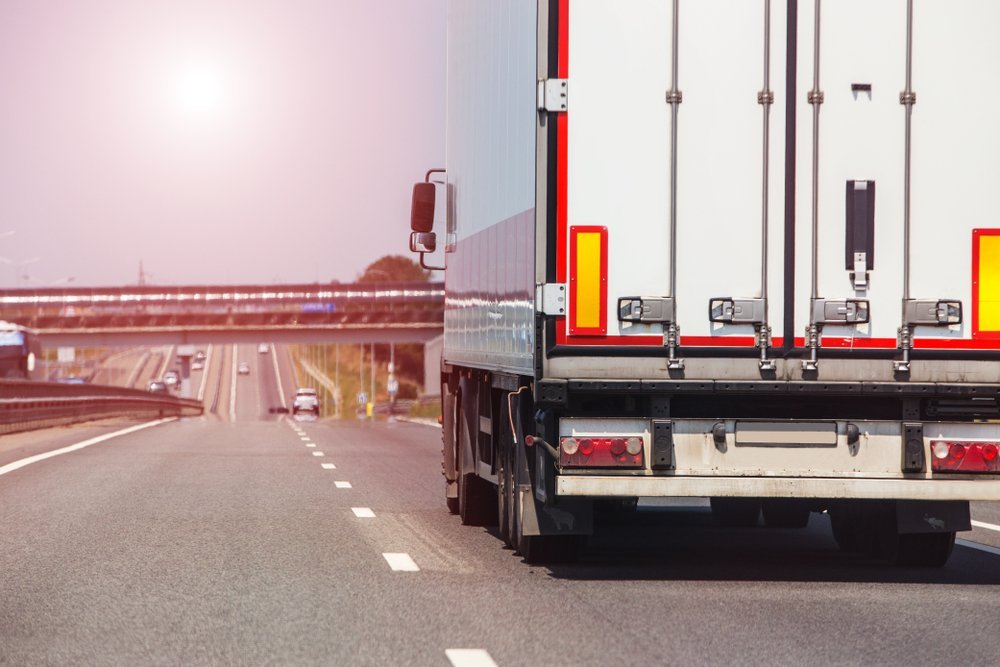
x: 746, y: 250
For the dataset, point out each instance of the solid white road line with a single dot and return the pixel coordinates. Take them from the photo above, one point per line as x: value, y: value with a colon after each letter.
x: 318, y: 454
x: 277, y: 375
x: 469, y: 657
x: 363, y: 512
x: 11, y: 467
x: 978, y: 547
x: 342, y: 485
x: 988, y: 526
x: 401, y: 562
x: 328, y: 466
x: 232, y: 388
x: 204, y: 374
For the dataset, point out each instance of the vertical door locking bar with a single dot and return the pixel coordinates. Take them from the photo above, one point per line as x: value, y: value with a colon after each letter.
x: 750, y: 310
x: 916, y: 312
x: 823, y: 311
x: 815, y: 98
x: 672, y: 335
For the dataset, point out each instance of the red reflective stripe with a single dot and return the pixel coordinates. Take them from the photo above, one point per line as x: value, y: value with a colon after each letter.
x: 562, y: 148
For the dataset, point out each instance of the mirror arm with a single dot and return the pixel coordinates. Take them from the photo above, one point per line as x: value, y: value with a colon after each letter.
x: 423, y: 265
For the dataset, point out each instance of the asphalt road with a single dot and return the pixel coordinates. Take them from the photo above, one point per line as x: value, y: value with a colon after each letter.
x: 206, y: 541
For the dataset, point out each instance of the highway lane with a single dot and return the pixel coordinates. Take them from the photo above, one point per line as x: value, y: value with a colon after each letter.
x: 202, y: 542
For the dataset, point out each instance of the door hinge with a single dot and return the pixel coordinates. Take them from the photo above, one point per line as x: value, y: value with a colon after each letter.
x: 553, y: 95
x: 550, y: 299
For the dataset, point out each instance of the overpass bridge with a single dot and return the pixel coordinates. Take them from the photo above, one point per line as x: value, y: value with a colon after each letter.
x: 382, y: 312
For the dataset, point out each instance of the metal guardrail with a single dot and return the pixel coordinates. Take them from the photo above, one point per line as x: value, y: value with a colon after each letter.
x: 26, y: 405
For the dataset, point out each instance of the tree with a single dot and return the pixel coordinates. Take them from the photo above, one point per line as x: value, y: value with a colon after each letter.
x: 399, y: 268
x: 393, y: 268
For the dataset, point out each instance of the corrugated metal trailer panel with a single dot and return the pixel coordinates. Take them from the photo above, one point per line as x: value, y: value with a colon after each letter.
x: 489, y: 318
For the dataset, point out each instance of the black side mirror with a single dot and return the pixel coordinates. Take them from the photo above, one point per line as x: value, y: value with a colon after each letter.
x: 422, y: 208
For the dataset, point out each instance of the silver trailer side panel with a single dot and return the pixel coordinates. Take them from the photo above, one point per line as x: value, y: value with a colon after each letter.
x: 489, y: 316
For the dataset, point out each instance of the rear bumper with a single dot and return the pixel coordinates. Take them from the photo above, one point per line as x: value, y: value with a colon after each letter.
x: 778, y: 487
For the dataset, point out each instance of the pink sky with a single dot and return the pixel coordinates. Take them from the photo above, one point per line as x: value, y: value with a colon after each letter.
x: 241, y: 141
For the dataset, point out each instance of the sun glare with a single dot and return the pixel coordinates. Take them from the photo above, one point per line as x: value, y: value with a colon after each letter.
x: 200, y: 92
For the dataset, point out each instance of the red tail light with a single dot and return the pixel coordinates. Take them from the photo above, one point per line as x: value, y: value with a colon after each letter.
x: 964, y: 456
x: 604, y: 452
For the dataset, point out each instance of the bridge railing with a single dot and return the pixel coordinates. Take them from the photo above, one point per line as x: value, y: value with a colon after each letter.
x: 26, y: 405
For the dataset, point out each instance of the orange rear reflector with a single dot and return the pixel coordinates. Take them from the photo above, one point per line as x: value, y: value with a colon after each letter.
x: 588, y: 281
x: 986, y: 283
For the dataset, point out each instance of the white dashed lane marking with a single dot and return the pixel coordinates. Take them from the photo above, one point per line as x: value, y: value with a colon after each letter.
x: 469, y: 657
x: 328, y: 466
x: 342, y: 485
x: 310, y: 444
x: 317, y: 453
x: 401, y: 562
x: 363, y: 512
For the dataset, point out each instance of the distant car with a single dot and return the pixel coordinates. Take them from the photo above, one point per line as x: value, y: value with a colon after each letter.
x: 306, y: 400
x: 199, y: 355
x: 157, y: 387
x: 263, y: 348
x: 197, y: 365
x: 72, y: 379
x: 171, y: 379
x: 243, y: 368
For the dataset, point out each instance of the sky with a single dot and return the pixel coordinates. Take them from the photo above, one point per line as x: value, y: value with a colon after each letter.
x: 213, y: 141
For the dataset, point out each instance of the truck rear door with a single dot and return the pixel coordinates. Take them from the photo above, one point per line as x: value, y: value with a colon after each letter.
x: 719, y: 176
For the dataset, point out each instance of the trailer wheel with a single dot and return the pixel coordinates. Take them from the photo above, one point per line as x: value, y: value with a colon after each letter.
x: 449, y: 403
x: 505, y: 493
x: 736, y: 512
x: 784, y: 513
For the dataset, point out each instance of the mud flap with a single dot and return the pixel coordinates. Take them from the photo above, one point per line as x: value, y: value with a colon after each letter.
x: 451, y: 489
x: 572, y: 516
x: 932, y: 516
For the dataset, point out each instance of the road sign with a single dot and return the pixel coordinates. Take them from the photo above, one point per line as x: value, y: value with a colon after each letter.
x: 393, y: 386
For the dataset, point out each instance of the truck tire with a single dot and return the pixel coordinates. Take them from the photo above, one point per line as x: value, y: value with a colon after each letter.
x: 785, y: 513
x: 736, y: 512
x: 449, y: 401
x: 505, y: 483
x: 476, y: 499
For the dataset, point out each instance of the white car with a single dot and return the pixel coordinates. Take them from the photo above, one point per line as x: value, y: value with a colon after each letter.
x: 263, y: 348
x: 306, y: 400
x: 197, y: 365
x: 243, y: 368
